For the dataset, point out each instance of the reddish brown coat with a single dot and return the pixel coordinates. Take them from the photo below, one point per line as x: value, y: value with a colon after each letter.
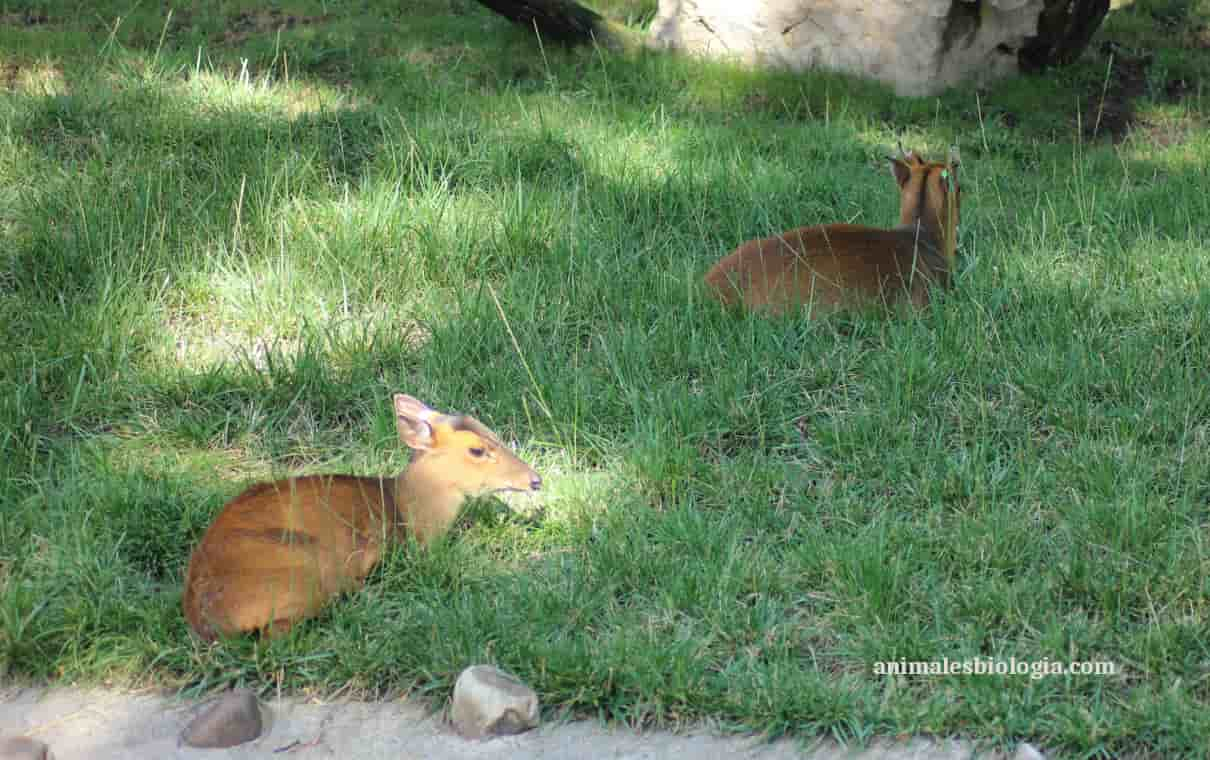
x: 831, y: 266
x: 279, y: 551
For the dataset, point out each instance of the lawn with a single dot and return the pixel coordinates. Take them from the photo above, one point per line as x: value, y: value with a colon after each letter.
x: 232, y: 230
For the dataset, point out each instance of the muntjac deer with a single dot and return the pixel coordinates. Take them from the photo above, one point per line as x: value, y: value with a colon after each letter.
x: 831, y: 266
x: 279, y: 551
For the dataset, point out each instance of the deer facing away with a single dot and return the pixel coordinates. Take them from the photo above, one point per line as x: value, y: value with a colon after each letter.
x: 831, y: 266
x: 279, y: 551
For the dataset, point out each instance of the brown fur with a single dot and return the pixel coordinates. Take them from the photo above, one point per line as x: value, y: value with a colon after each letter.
x: 279, y: 551
x: 836, y: 265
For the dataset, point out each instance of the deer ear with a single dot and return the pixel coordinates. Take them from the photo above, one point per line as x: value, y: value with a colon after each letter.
x: 412, y: 420
x: 954, y: 157
x: 901, y: 171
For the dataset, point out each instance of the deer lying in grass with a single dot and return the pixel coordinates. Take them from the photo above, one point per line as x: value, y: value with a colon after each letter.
x: 279, y: 551
x: 835, y: 265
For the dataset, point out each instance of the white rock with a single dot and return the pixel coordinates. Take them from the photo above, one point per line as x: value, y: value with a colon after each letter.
x: 1027, y: 751
x: 489, y: 702
x: 919, y: 47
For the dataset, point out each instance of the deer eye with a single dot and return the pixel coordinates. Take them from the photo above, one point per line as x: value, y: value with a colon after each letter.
x: 476, y: 451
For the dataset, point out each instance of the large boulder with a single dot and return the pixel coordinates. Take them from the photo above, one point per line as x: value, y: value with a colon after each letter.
x: 919, y: 47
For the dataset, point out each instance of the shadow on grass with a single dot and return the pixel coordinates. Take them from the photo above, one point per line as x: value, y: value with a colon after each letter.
x: 797, y: 500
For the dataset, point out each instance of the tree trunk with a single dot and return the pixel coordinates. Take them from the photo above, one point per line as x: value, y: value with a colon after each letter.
x: 1064, y: 30
x: 566, y: 22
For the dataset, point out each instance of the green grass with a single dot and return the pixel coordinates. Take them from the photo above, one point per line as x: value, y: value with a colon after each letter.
x: 224, y: 247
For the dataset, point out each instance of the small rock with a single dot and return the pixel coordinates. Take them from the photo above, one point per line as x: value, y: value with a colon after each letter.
x: 24, y: 748
x: 232, y: 719
x: 490, y: 702
x: 1027, y: 751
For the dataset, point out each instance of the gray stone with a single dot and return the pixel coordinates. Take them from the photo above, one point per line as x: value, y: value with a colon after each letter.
x: 489, y: 702
x: 918, y: 47
x: 1027, y: 751
x: 232, y: 719
x: 24, y: 748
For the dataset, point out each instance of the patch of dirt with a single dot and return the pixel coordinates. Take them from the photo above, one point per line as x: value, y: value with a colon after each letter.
x: 9, y: 72
x: 107, y: 725
x: 180, y: 20
x: 757, y: 101
x: 434, y: 57
x: 1165, y: 132
x: 1111, y: 110
x: 248, y: 24
x: 24, y: 19
x: 1200, y: 38
x: 1108, y: 109
x: 21, y: 76
x: 1176, y: 90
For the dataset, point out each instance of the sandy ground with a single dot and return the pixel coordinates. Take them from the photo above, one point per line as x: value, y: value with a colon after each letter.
x: 107, y: 725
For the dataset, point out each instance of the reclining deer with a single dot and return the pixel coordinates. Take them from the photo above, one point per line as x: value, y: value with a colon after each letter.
x: 279, y: 551
x: 831, y: 266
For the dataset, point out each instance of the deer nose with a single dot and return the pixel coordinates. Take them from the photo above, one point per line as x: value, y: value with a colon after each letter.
x: 535, y: 482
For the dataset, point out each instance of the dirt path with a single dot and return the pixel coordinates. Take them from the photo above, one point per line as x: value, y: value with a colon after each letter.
x: 105, y: 725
